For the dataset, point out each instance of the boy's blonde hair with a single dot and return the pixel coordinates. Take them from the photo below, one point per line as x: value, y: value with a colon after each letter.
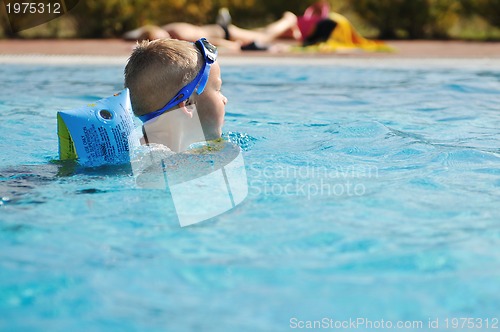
x: 157, y: 70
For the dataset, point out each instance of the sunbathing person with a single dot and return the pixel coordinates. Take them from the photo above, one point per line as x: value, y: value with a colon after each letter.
x: 223, y: 34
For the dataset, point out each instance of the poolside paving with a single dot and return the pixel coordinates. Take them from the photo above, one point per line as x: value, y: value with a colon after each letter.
x: 117, y: 47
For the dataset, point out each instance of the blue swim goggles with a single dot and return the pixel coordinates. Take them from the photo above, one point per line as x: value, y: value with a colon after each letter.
x: 209, y: 53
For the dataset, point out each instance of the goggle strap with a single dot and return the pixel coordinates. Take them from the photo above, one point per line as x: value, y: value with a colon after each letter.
x: 204, y: 80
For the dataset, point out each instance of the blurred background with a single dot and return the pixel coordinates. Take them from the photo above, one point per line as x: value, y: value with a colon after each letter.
x: 381, y: 19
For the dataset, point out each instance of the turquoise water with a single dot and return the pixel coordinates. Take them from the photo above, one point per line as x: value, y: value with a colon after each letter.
x: 373, y: 193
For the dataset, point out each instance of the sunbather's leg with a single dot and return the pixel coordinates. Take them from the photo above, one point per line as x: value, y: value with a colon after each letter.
x: 267, y: 34
x: 185, y: 31
x: 286, y: 23
x: 213, y: 32
x: 150, y: 32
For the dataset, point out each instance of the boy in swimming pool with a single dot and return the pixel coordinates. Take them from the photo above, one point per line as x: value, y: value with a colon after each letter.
x: 166, y: 78
x: 175, y: 90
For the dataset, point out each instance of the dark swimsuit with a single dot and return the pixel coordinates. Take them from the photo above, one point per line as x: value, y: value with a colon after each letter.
x: 227, y: 36
x: 248, y: 47
x: 321, y: 33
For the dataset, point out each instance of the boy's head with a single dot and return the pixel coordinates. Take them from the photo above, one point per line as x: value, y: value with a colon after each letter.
x: 157, y: 70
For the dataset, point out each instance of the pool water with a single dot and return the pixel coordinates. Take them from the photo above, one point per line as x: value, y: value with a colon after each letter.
x: 373, y: 193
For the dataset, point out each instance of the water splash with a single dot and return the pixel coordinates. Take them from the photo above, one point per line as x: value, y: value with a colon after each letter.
x: 244, y: 141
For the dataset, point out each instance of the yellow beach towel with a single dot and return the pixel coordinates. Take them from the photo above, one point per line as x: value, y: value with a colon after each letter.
x: 345, y: 37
